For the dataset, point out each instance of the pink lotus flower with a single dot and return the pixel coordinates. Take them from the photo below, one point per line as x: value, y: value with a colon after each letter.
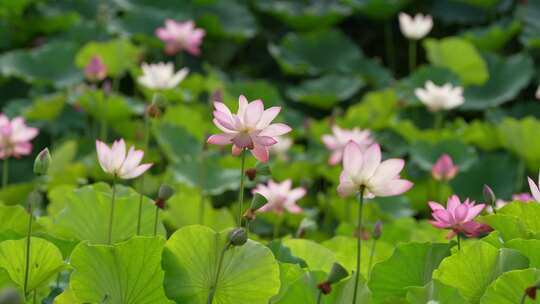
x: 179, y: 36
x: 444, y: 168
x: 115, y: 161
x: 336, y: 142
x: 524, y: 197
x: 456, y: 216
x: 250, y: 128
x: 534, y: 188
x: 15, y: 137
x: 280, y: 197
x: 475, y: 229
x: 95, y: 70
x: 365, y: 169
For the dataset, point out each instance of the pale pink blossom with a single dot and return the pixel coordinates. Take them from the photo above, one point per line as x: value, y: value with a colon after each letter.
x: 280, y: 197
x: 336, y: 141
x: 534, y: 188
x: 179, y: 36
x: 15, y: 137
x: 444, y: 169
x: 437, y: 98
x: 116, y: 162
x: 95, y: 70
x: 456, y: 216
x: 250, y: 128
x: 524, y: 197
x: 365, y: 169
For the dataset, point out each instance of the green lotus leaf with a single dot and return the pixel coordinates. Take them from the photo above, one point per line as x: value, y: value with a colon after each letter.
x: 118, y: 55
x: 411, y: 265
x: 474, y: 267
x: 325, y: 92
x: 529, y: 248
x: 529, y: 15
x: 304, y: 290
x: 128, y: 272
x: 510, y: 287
x: 516, y: 134
x: 249, y: 273
x: 87, y: 212
x: 375, y: 111
x: 434, y: 291
x: 316, y: 256
x: 13, y: 219
x: 45, y: 261
x: 460, y: 56
x: 426, y: 154
x: 494, y: 36
x: 378, y: 9
x: 289, y: 275
x: 176, y: 142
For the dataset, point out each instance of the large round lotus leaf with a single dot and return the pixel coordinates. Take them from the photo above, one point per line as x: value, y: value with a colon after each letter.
x: 51, y: 63
x: 494, y: 36
x: 378, y: 9
x: 434, y: 291
x: 249, y: 274
x: 288, y: 274
x: 474, y: 267
x: 508, y: 76
x: 128, y: 272
x: 345, y: 251
x: 175, y: 142
x: 411, y: 265
x: 510, y: 287
x: 460, y: 56
x: 305, y: 15
x: 118, y: 55
x: 86, y: 215
x: 529, y: 15
x: 426, y: 154
x: 458, y: 12
x: 302, y: 54
x: 344, y: 291
x: 304, y: 290
x: 517, y: 134
x: 13, y: 219
x: 316, y: 256
x: 184, y: 208
x: 516, y: 220
x: 45, y: 261
x: 529, y: 248
x: 325, y: 92
x: 375, y: 111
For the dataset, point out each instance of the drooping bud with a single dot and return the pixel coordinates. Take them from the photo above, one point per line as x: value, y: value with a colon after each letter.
x: 42, y: 162
x: 238, y: 236
x: 95, y: 70
x: 164, y: 193
x: 489, y: 196
x: 377, y: 230
x: 337, y: 273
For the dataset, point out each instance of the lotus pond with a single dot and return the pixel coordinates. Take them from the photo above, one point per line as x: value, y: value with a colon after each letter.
x: 269, y: 152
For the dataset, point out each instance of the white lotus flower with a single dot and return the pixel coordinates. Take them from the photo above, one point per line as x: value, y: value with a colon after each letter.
x: 438, y: 98
x: 416, y: 28
x: 159, y: 76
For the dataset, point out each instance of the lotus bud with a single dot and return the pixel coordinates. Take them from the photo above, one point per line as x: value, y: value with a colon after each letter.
x: 95, y: 70
x: 238, y: 237
x: 377, y: 230
x: 164, y: 193
x: 152, y: 110
x: 489, y: 196
x: 42, y: 162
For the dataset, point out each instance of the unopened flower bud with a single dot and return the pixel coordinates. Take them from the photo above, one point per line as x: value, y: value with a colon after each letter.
x: 325, y: 287
x: 153, y: 110
x: 337, y: 273
x: 95, y: 70
x: 377, y: 230
x: 42, y: 162
x: 238, y: 237
x: 489, y: 196
x: 251, y: 173
x: 164, y: 193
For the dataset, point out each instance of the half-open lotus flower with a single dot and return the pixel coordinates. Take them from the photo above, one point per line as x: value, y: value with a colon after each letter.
x: 280, y: 197
x: 95, y: 70
x: 458, y: 217
x: 438, y: 98
x: 161, y: 76
x: 179, y: 36
x: 15, y: 137
x: 534, y: 188
x: 444, y: 168
x: 415, y: 28
x: 250, y: 128
x: 365, y: 169
x: 118, y: 163
x: 336, y: 141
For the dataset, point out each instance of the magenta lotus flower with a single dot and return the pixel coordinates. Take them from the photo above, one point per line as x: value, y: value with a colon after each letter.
x: 456, y: 216
x: 280, y: 197
x: 95, y: 70
x: 336, y: 142
x: 534, y: 189
x: 365, y: 169
x: 179, y: 36
x: 251, y: 128
x: 444, y: 168
x: 15, y: 137
x: 116, y: 162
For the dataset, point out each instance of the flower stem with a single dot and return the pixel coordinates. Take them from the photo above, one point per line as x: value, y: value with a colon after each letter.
x: 5, y: 173
x: 111, y: 217
x: 213, y: 287
x: 277, y: 227
x: 319, y: 297
x: 28, y: 243
x: 371, y: 255
x: 202, y: 179
x: 439, y: 120
x: 523, y: 297
x: 389, y: 44
x: 412, y: 55
x: 458, y: 241
x: 241, y: 191
x: 359, y: 241
x: 156, y: 220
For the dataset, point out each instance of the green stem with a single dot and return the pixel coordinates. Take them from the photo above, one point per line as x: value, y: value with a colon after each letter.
x: 241, y: 191
x: 213, y: 287
x: 359, y: 241
x: 319, y: 297
x: 201, y: 186
x: 412, y: 55
x: 370, y: 263
x: 5, y: 172
x: 277, y: 227
x: 523, y: 297
x: 156, y: 216
x: 389, y: 44
x: 28, y: 239
x: 111, y: 216
x: 439, y: 120
x: 459, y: 241
x: 34, y: 298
